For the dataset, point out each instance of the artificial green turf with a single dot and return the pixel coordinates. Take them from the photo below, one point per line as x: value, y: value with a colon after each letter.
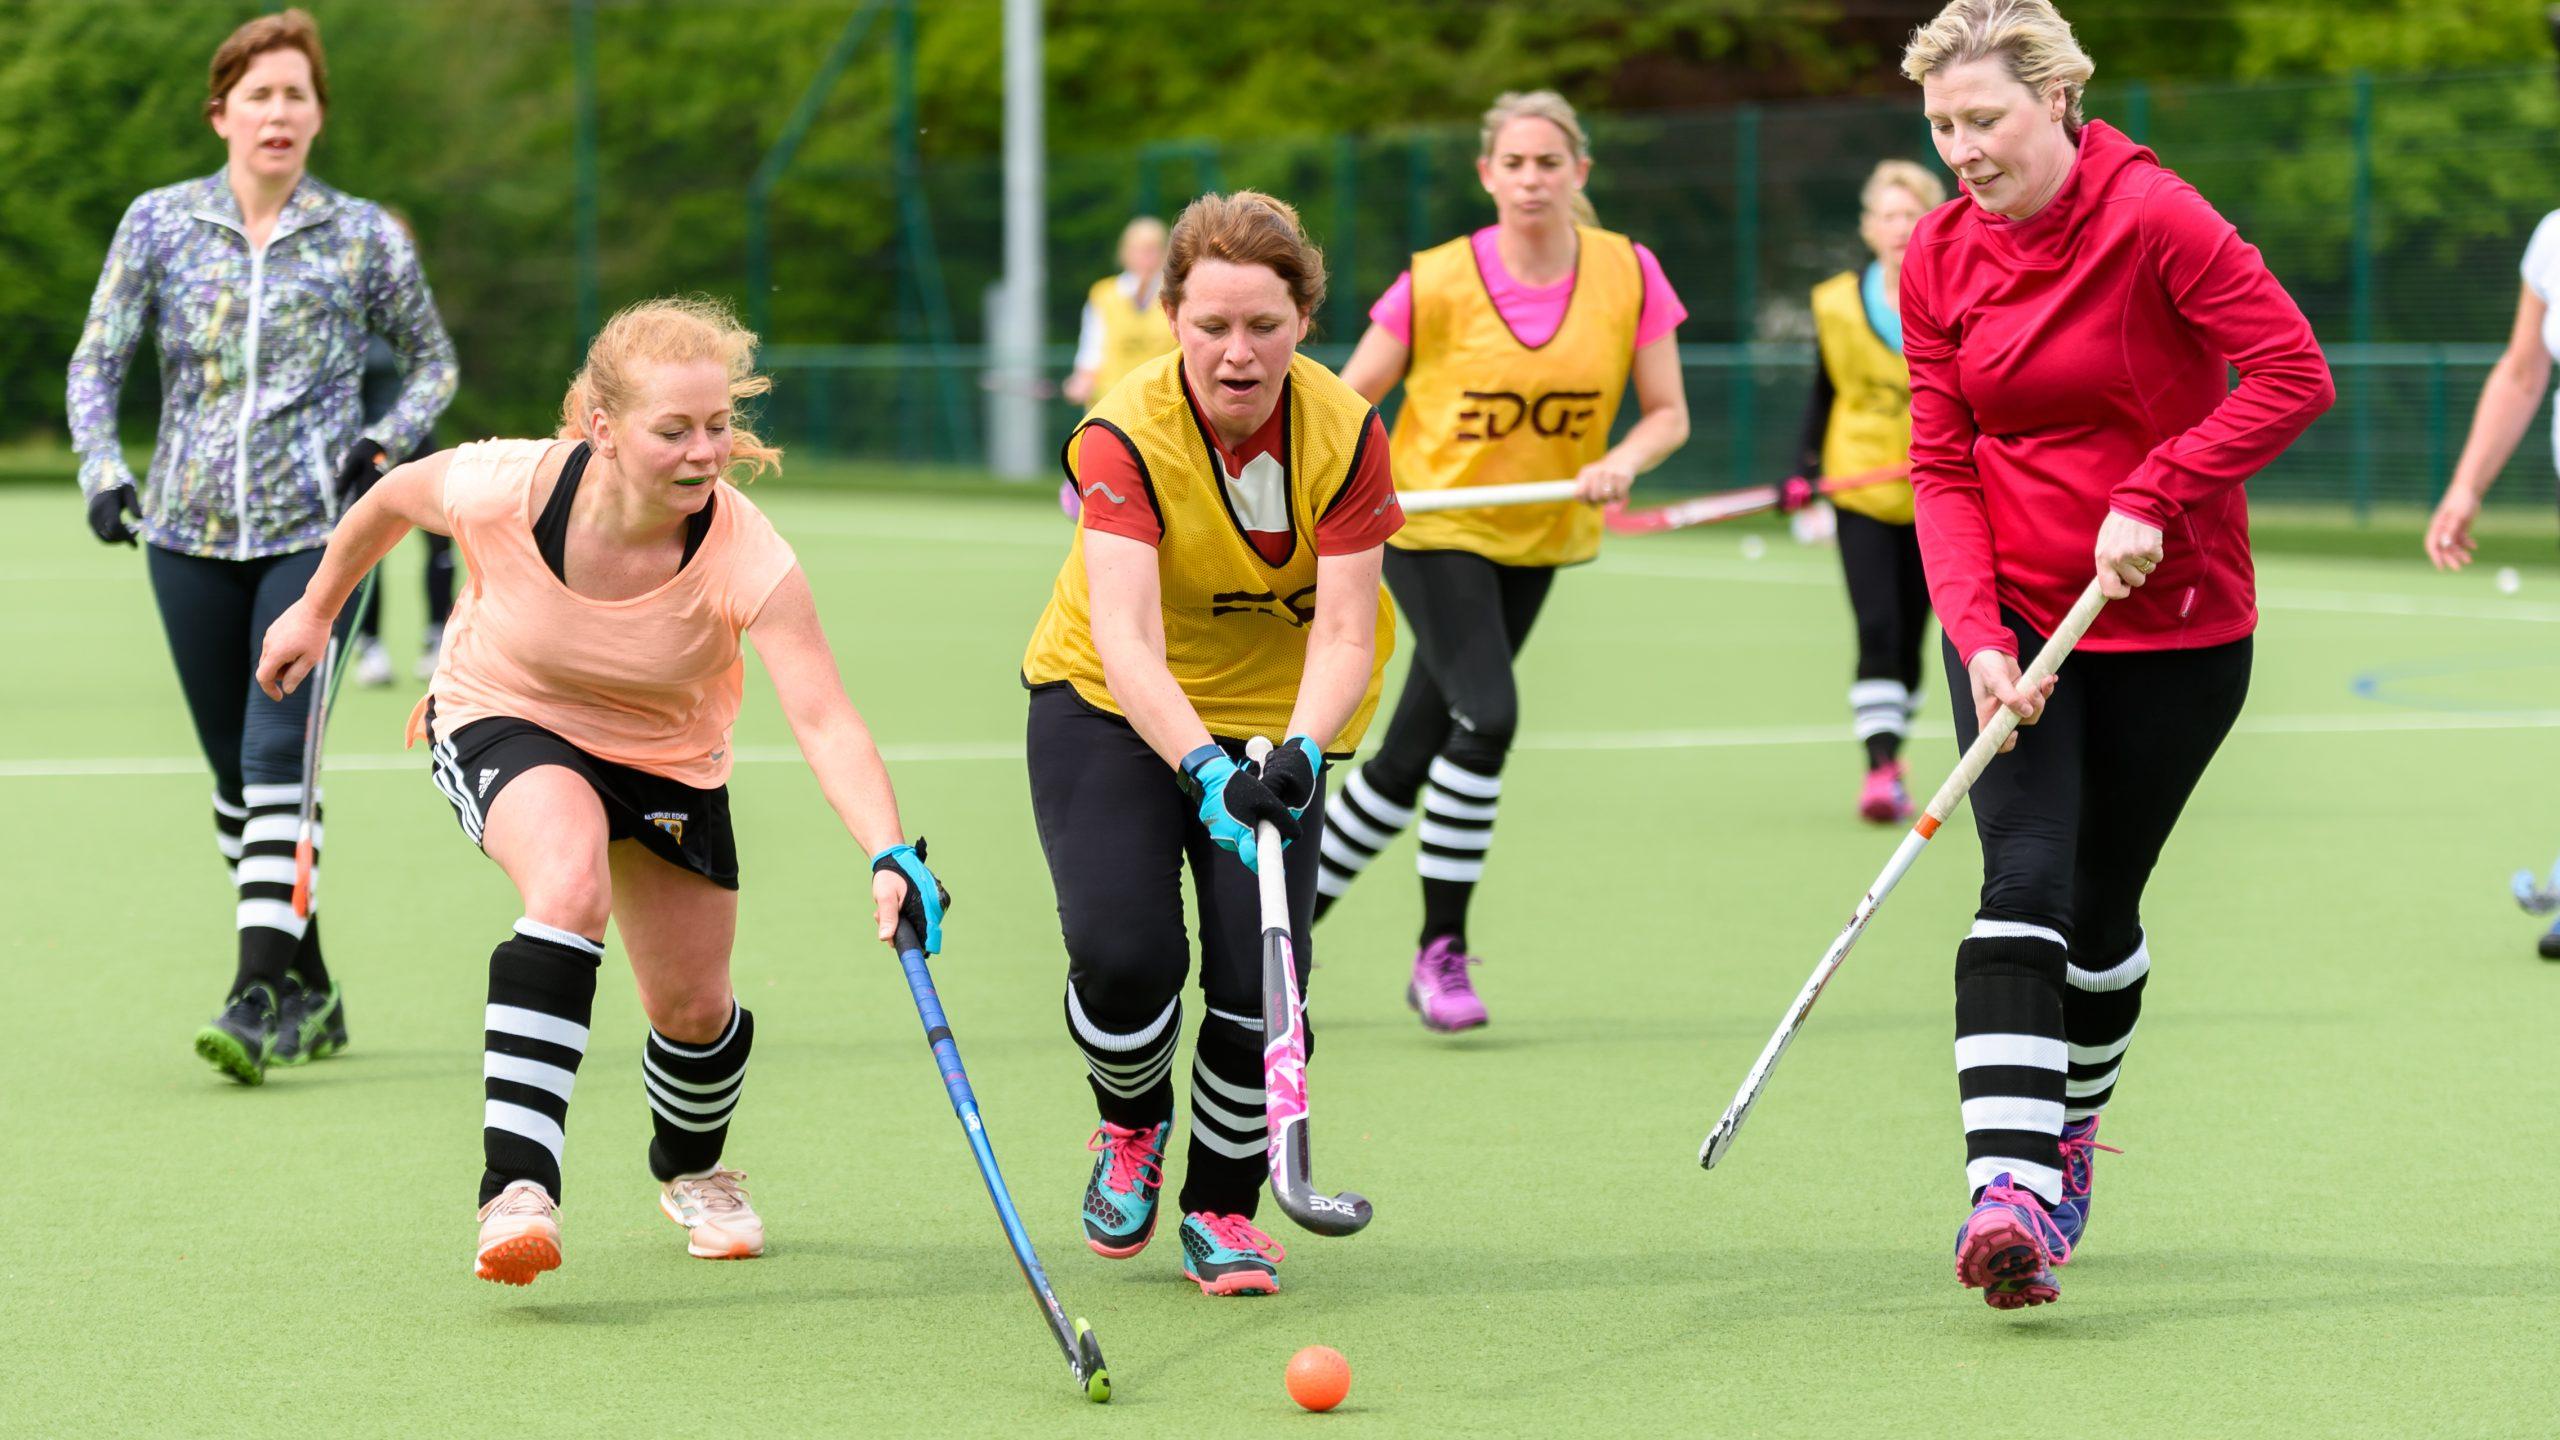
x: 2333, y: 1216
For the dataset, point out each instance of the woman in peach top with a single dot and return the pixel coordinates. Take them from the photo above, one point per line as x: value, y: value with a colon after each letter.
x: 580, y: 726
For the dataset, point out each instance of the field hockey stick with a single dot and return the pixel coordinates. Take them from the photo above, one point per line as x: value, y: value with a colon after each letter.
x: 1284, y: 1051
x: 1734, y: 504
x: 1487, y: 497
x: 1977, y: 757
x: 1075, y: 1338
x: 315, y: 728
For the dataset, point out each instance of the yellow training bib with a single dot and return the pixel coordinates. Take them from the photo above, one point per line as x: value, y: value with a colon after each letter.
x: 1235, y: 625
x: 1480, y: 408
x: 1870, y: 425
x: 1132, y: 334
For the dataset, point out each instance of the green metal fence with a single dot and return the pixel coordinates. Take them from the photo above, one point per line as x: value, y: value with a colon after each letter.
x: 2395, y: 210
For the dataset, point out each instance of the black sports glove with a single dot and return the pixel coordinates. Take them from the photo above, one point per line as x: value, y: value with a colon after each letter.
x: 1290, y: 772
x: 363, y: 466
x: 107, y: 510
x: 927, y: 897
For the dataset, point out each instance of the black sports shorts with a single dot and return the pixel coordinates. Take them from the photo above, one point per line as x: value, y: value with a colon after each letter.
x: 679, y: 824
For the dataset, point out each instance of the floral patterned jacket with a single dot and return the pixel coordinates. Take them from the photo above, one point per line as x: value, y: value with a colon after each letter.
x: 261, y: 362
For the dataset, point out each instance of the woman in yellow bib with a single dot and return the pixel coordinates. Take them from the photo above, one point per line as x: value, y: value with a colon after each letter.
x: 1859, y: 421
x: 1123, y: 326
x: 1515, y: 346
x: 1223, y: 584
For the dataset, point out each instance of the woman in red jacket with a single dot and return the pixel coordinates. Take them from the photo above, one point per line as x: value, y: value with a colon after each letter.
x: 2068, y: 323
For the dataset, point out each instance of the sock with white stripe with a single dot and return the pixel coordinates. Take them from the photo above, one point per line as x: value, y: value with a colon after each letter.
x: 1359, y: 821
x: 270, y: 933
x: 1229, y: 1137
x: 2098, y: 1016
x: 542, y: 994
x: 693, y: 1090
x: 230, y: 817
x: 1458, y: 807
x: 2010, y: 1054
x: 1129, y: 1067
x: 1880, y: 715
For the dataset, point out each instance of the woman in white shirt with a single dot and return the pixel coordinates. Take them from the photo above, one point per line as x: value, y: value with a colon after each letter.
x: 2508, y: 401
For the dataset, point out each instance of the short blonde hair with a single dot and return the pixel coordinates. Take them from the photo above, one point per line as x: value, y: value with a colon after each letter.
x: 2030, y: 37
x: 1902, y: 175
x: 1556, y: 110
x: 670, y: 331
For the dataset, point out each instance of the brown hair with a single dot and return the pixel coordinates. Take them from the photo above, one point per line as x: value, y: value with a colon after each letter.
x: 1245, y: 228
x: 1553, y: 108
x: 287, y: 30
x: 677, y: 331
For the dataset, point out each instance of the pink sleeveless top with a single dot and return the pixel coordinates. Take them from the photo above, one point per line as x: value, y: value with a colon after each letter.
x: 652, y: 682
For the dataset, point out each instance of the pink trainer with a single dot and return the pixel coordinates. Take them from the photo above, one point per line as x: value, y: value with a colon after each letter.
x: 1882, y: 799
x: 1441, y: 992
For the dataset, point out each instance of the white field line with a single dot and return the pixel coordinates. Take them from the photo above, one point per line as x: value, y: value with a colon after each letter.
x: 2371, y: 722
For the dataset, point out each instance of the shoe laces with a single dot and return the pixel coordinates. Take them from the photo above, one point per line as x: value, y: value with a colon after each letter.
x: 2040, y: 1220
x: 1448, y: 965
x: 520, y: 1200
x: 2077, y: 1157
x: 1239, y: 1234
x: 1134, y: 1155
x: 722, y: 1192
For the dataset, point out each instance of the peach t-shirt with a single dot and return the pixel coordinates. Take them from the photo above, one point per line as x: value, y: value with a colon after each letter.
x: 652, y: 682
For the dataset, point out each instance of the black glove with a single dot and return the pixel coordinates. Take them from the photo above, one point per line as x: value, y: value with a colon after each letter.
x: 1290, y: 772
x: 364, y: 465
x: 107, y: 510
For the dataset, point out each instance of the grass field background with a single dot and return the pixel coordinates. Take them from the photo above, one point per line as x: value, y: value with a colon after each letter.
x: 2334, y: 1215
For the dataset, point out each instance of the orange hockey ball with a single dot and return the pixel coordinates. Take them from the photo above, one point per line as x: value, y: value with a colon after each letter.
x: 1319, y: 1377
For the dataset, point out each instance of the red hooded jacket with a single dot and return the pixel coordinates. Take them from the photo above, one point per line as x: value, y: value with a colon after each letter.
x: 2075, y: 362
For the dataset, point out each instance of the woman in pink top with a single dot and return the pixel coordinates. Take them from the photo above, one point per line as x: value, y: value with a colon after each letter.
x: 1515, y: 347
x: 580, y: 725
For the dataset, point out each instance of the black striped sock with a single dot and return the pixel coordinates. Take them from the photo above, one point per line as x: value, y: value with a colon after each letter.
x: 1458, y: 806
x: 1131, y: 1070
x: 230, y: 817
x: 1358, y: 823
x: 1230, y: 1138
x: 2098, y: 1016
x: 693, y: 1092
x: 542, y: 993
x: 2010, y: 1054
x: 270, y: 933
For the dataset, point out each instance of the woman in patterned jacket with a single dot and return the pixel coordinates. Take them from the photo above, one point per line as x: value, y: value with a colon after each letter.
x: 259, y: 285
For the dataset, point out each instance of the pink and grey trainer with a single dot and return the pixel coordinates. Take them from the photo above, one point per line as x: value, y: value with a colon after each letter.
x: 2008, y: 1248
x: 1441, y: 992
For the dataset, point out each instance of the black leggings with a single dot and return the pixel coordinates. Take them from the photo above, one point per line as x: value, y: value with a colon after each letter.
x: 1470, y: 617
x: 1889, y: 596
x: 1119, y: 833
x: 2049, y: 981
x: 216, y: 613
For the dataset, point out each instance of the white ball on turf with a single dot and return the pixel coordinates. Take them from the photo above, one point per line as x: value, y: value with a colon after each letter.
x: 2508, y: 580
x: 1753, y: 547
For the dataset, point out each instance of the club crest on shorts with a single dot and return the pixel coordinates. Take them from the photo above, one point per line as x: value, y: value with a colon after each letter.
x: 671, y: 821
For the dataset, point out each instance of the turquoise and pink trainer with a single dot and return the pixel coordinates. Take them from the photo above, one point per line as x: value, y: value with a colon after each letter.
x: 1120, y: 1199
x: 2079, y: 1176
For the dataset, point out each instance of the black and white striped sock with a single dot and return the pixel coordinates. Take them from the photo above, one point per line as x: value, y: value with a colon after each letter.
x: 2098, y: 1016
x: 1358, y: 823
x: 1131, y: 1070
x: 1458, y: 806
x: 542, y: 993
x: 693, y: 1091
x: 270, y: 933
x: 2010, y: 1054
x: 1230, y: 1137
x: 1880, y: 715
x: 230, y: 818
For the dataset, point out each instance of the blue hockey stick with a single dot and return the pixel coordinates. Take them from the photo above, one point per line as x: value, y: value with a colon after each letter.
x: 1074, y: 1337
